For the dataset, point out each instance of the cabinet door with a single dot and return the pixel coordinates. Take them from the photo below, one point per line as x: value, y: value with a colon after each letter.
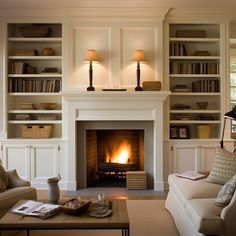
x: 185, y: 157
x: 17, y: 156
x: 44, y: 163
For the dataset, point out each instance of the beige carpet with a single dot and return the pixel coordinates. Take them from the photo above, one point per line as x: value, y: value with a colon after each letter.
x: 147, y: 218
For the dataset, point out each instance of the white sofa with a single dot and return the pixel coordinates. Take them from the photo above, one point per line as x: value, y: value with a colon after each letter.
x: 192, y: 205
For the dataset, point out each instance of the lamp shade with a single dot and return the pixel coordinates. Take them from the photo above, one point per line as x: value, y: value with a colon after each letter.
x: 231, y: 114
x: 91, y: 55
x: 138, y: 55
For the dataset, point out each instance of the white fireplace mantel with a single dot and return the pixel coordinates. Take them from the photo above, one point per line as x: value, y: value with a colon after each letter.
x: 115, y: 106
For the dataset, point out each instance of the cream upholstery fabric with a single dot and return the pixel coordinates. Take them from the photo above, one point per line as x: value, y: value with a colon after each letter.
x: 205, y: 215
x: 3, y: 179
x: 226, y: 192
x: 15, y: 181
x: 224, y: 167
x: 189, y: 189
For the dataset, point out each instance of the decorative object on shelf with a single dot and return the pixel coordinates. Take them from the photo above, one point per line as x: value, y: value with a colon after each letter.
x: 91, y: 56
x: 46, y: 117
x: 36, y: 131
x: 27, y: 106
x: 202, y: 105
x: 179, y: 132
x: 48, y: 52
x: 53, y: 189
x: 50, y: 70
x: 48, y: 106
x: 181, y: 88
x: 26, y: 52
x: 204, y: 131
x: 231, y: 115
x: 138, y: 56
x: 22, y: 117
x: 179, y: 106
x: 35, y: 30
x: 201, y: 53
x: 151, y: 85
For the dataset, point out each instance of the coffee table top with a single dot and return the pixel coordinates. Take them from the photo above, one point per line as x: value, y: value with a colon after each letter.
x: 118, y: 220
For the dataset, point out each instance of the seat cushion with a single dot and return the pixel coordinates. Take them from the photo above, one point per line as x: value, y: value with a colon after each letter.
x: 224, y: 167
x: 205, y: 215
x: 186, y: 189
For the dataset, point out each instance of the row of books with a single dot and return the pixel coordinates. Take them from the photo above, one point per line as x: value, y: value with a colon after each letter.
x: 34, y: 85
x: 194, y: 67
x: 206, y: 85
x: 178, y: 49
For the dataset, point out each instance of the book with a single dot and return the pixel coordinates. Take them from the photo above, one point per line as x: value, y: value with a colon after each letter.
x: 191, y: 175
x: 34, y: 208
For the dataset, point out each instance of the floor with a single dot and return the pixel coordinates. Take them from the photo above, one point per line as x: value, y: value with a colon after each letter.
x: 112, y: 193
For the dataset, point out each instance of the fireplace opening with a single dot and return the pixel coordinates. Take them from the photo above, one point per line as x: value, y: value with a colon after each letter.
x: 110, y: 154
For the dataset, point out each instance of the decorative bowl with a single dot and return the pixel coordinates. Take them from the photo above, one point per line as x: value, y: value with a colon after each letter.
x: 202, y: 105
x: 75, y: 207
x: 48, y: 106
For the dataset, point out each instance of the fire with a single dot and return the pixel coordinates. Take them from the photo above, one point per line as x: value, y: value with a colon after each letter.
x: 120, y: 154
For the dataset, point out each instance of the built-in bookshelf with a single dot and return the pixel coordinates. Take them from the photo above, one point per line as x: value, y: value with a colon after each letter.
x: 195, y: 78
x: 34, y: 76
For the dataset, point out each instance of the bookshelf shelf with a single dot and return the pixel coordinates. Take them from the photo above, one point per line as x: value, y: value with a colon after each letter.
x: 28, y: 59
x: 195, y: 66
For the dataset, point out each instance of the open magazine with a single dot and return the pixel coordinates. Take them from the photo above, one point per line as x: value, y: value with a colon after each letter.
x: 191, y: 175
x: 38, y: 209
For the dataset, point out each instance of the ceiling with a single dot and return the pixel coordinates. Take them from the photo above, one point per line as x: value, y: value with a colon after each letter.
x: 36, y: 4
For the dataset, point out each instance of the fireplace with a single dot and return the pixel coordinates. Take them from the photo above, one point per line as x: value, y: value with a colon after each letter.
x: 114, y: 111
x: 106, y: 150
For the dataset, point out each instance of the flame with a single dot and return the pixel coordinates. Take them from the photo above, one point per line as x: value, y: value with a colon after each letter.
x: 120, y: 154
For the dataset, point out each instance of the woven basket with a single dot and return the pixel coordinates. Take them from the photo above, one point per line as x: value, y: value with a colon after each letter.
x: 36, y: 131
x: 35, y: 31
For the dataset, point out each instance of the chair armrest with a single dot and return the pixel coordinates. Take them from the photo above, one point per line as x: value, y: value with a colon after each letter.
x: 14, y: 180
x: 228, y: 214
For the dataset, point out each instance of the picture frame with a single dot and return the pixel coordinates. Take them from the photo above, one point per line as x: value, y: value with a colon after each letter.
x: 183, y: 132
x: 179, y: 132
x: 174, y: 132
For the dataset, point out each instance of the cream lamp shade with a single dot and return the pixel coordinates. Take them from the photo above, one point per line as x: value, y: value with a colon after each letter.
x: 138, y: 55
x: 91, y: 55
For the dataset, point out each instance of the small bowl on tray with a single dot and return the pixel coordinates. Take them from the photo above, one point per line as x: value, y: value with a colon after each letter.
x: 75, y: 206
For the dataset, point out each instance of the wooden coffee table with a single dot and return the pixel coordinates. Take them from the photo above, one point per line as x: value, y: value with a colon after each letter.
x: 119, y: 220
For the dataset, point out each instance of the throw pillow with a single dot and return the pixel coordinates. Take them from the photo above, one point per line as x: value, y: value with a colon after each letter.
x: 226, y: 193
x: 3, y: 179
x: 224, y: 167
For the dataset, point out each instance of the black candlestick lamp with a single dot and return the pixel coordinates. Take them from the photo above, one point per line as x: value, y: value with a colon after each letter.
x: 228, y: 115
x: 91, y: 56
x: 138, y: 56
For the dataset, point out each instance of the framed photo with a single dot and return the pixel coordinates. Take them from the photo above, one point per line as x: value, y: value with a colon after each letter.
x: 179, y: 132
x: 184, y: 132
x: 174, y: 132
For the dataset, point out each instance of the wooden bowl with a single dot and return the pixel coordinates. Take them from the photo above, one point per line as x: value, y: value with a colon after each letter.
x: 79, y: 209
x: 48, y: 106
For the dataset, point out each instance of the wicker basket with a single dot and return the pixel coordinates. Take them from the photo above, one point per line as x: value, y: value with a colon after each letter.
x: 35, y: 31
x: 36, y: 131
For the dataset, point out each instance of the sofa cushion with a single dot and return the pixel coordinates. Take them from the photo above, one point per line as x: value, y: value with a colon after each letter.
x: 226, y: 192
x: 205, y: 215
x: 3, y: 179
x: 186, y: 189
x: 224, y: 167
x: 14, y: 180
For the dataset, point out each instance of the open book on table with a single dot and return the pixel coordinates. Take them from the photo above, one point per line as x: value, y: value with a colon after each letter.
x: 38, y: 209
x: 191, y: 175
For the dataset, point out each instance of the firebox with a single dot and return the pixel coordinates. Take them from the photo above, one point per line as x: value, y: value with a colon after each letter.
x: 107, y: 149
x: 111, y: 153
